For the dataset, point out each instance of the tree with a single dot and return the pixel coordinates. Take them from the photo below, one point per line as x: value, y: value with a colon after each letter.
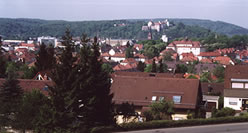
x: 162, y: 110
x: 62, y: 92
x: 2, y: 61
x: 181, y: 68
x: 148, y: 68
x: 141, y: 66
x: 29, y: 112
x: 129, y: 51
x: 126, y: 110
x: 162, y: 67
x: 10, y: 97
x: 167, y: 56
x: 93, y: 89
x: 154, y: 67
x: 45, y: 59
x: 219, y: 72
x: 107, y: 68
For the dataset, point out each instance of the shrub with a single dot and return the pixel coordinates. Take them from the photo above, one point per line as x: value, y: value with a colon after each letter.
x: 181, y: 123
x: 224, y: 112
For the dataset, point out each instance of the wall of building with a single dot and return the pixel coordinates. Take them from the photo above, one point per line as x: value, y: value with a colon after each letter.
x: 233, y: 102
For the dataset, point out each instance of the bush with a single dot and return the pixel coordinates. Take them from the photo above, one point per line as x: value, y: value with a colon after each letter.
x: 181, y: 123
x: 224, y: 112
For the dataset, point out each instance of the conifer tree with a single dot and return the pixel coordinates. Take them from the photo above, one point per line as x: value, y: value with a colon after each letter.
x: 141, y: 66
x: 10, y: 97
x: 45, y: 59
x: 154, y: 67
x: 95, y: 106
x: 2, y: 61
x: 62, y: 92
x: 161, y: 67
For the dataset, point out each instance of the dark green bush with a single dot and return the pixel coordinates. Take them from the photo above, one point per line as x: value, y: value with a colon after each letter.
x: 181, y: 123
x: 223, y: 112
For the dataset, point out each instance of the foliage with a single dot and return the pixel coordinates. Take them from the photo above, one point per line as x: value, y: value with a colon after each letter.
x: 10, y: 97
x: 29, y: 73
x: 206, y: 77
x: 181, y: 68
x: 129, y: 51
x: 141, y: 66
x: 29, y: 112
x: 93, y: 89
x: 162, y: 67
x: 45, y: 59
x: 107, y: 68
x: 182, y: 123
x: 224, y: 112
x: 2, y: 61
x: 148, y: 68
x: 126, y: 110
x: 167, y: 56
x: 219, y: 72
x: 221, y: 102
x: 161, y: 110
x: 62, y: 93
x: 154, y: 67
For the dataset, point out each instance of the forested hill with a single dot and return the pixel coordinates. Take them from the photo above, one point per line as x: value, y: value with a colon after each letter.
x: 216, y: 26
x: 25, y: 28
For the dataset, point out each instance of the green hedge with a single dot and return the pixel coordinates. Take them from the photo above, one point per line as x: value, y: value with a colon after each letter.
x: 169, y: 124
x: 181, y: 123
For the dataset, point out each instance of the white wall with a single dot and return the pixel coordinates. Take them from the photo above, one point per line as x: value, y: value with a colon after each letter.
x: 228, y: 100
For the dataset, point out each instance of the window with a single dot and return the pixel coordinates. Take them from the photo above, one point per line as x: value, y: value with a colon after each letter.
x: 177, y: 99
x: 154, y: 98
x: 233, y: 101
x: 237, y: 85
x: 246, y: 85
x: 161, y: 98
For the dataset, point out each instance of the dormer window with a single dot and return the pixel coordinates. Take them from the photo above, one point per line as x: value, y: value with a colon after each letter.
x: 177, y: 99
x: 154, y: 98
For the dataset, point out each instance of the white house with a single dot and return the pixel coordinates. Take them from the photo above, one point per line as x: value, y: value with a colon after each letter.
x: 186, y: 46
x: 236, y: 87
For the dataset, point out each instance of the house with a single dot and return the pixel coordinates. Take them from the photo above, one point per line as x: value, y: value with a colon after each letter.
x: 211, y: 94
x: 43, y: 75
x: 186, y: 46
x: 236, y: 87
x: 223, y: 60
x: 28, y: 85
x: 143, y: 90
x: 208, y: 55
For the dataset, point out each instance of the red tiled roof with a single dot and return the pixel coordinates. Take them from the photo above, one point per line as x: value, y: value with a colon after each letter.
x: 187, y: 54
x: 129, y: 60
x: 226, y: 50
x: 129, y: 66
x: 140, y: 90
x: 29, y: 85
x: 210, y: 54
x: 27, y: 45
x: 195, y: 44
x: 224, y: 60
x: 189, y: 59
x: 206, y: 60
x: 140, y: 46
x: 139, y: 56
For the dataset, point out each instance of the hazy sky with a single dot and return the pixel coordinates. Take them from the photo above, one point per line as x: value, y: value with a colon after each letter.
x: 232, y: 11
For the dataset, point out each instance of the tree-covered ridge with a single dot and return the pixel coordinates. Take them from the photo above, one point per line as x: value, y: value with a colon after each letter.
x: 25, y: 28
x: 215, y: 26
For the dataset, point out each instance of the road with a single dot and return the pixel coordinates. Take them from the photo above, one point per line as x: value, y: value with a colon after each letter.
x: 221, y: 128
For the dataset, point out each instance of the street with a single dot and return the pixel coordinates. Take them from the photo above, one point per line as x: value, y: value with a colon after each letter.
x: 221, y: 128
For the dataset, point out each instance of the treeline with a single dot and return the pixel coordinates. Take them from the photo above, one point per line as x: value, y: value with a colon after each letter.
x: 25, y: 28
x: 78, y: 101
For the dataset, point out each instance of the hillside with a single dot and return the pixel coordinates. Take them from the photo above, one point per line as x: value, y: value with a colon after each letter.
x: 25, y: 28
x: 216, y: 26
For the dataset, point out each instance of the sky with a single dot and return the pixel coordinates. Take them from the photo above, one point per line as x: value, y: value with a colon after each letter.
x: 231, y: 11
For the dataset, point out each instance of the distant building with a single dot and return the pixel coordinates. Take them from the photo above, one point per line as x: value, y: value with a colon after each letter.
x: 186, y: 46
x: 164, y: 38
x: 48, y: 40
